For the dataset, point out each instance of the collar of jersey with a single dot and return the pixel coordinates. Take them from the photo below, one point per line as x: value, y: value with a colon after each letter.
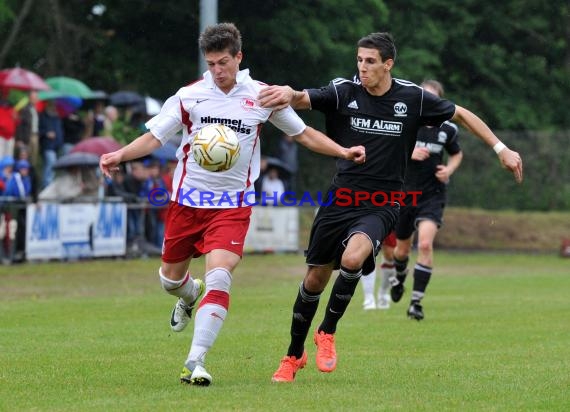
x: 241, y: 77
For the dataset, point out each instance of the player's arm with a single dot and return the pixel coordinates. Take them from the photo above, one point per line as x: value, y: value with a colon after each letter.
x: 279, y: 97
x: 318, y: 142
x: 444, y: 172
x: 509, y: 159
x: 141, y: 146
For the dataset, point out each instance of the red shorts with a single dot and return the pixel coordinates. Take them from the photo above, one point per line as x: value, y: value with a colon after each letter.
x: 191, y: 232
x: 390, y: 240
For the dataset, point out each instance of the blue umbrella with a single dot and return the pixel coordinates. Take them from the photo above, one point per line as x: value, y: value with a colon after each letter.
x: 78, y: 159
x: 126, y: 98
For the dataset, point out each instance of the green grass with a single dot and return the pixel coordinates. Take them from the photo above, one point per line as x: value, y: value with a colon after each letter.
x: 95, y: 336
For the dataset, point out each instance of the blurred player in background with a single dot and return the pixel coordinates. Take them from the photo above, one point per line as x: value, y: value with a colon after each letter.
x: 380, y: 300
x: 427, y: 173
x: 384, y: 115
x: 224, y: 95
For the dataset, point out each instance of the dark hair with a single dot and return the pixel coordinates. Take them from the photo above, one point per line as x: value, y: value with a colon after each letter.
x: 220, y: 37
x: 434, y: 84
x: 383, y: 42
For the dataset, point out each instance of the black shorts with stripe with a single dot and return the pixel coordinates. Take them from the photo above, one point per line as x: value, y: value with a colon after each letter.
x: 429, y: 207
x: 334, y: 225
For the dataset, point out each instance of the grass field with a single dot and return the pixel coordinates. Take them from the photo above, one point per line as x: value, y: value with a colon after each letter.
x: 94, y: 336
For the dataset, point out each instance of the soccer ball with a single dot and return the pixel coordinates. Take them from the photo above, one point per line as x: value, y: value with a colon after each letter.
x: 216, y: 148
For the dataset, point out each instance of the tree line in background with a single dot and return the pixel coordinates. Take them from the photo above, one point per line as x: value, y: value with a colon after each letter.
x: 508, y: 61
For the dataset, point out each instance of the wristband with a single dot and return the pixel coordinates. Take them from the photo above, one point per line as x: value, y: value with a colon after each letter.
x: 499, y: 147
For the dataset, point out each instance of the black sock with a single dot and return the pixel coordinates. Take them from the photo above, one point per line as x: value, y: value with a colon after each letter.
x: 401, y: 266
x: 422, y: 275
x: 304, y: 311
x: 341, y: 294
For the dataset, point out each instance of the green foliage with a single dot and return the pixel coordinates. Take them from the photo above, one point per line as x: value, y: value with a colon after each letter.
x: 480, y: 181
x: 304, y: 44
x: 502, y: 59
x: 507, y: 61
x: 6, y: 12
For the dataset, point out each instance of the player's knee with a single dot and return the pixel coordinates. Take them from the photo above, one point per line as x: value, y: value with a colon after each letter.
x: 316, y: 279
x: 425, y: 247
x: 402, y: 252
x: 352, y: 261
x: 218, y: 279
x: 173, y: 271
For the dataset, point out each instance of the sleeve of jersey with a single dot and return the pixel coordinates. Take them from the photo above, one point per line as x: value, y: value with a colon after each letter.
x: 452, y: 147
x: 168, y: 122
x: 288, y: 121
x: 324, y: 99
x: 435, y: 110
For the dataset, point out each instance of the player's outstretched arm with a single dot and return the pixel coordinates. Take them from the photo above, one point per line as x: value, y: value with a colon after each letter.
x: 320, y: 143
x: 141, y: 146
x: 279, y: 97
x: 510, y: 159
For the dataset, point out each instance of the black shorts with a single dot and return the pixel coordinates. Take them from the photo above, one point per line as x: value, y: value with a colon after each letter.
x: 429, y: 207
x: 334, y: 225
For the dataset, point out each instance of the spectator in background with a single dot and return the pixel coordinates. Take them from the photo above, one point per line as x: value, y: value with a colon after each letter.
x: 27, y: 129
x: 72, y: 183
x: 7, y: 128
x: 7, y: 222
x: 272, y: 187
x: 51, y: 139
x: 73, y: 131
x: 6, y: 170
x: 262, y: 173
x: 288, y: 155
x: 95, y: 120
x: 133, y: 186
x: 111, y: 116
x: 154, y: 226
x: 23, y: 153
x: 19, y: 184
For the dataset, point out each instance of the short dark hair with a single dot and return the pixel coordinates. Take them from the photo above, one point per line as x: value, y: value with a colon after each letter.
x: 434, y: 84
x: 220, y: 37
x: 383, y: 42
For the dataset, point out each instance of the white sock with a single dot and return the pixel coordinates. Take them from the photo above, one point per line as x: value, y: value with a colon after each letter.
x: 210, y: 315
x: 181, y: 288
x: 388, y: 270
x: 368, y: 283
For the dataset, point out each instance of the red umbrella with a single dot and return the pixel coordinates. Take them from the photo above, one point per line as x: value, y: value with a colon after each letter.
x: 97, y: 145
x: 17, y: 78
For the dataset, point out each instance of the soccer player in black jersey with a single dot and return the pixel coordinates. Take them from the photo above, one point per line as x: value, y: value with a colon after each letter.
x: 426, y: 173
x: 384, y: 115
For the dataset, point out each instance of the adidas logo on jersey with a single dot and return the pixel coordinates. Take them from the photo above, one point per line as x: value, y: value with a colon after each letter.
x: 353, y: 105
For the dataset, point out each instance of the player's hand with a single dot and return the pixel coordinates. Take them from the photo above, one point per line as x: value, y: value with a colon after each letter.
x: 275, y: 97
x: 357, y: 154
x: 109, y: 162
x: 420, y: 154
x: 443, y: 173
x: 512, y: 161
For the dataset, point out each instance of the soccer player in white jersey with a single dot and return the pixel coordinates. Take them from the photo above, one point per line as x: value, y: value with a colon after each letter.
x: 214, y: 224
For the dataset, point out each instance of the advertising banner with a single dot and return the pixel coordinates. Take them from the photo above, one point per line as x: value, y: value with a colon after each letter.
x: 75, y: 230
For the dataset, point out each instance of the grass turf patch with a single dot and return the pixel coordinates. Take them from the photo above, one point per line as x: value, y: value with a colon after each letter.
x: 95, y: 336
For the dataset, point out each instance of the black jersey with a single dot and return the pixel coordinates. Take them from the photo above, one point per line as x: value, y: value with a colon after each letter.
x: 420, y: 175
x: 385, y: 125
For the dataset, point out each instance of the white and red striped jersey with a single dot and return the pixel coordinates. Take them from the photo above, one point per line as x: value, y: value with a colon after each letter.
x: 202, y: 103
